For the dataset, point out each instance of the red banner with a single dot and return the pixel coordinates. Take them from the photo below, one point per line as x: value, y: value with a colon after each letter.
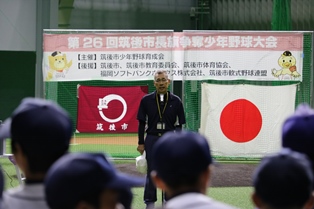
x: 109, y: 109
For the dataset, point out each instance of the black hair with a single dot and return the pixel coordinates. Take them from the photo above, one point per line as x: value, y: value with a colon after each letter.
x: 92, y: 198
x: 38, y: 159
x: 176, y: 182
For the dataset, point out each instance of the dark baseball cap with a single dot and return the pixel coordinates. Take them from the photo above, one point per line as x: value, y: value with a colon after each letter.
x: 182, y: 153
x: 298, y: 131
x: 39, y: 124
x: 284, y: 180
x: 76, y: 175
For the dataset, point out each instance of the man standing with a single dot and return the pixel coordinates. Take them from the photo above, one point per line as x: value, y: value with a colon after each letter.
x: 161, y: 111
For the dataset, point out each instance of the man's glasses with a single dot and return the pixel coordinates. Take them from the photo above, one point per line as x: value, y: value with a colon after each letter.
x: 163, y: 80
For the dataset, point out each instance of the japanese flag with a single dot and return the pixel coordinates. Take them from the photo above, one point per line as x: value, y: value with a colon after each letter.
x: 245, y: 120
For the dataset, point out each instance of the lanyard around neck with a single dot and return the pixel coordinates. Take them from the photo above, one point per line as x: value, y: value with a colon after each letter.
x: 163, y: 111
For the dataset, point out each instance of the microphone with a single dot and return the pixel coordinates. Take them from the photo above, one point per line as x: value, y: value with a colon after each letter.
x: 161, y: 97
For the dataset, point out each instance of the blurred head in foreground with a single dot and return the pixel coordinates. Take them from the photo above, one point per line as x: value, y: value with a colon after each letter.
x: 88, y: 180
x: 40, y: 132
x: 283, y: 180
x: 298, y: 132
x: 181, y: 161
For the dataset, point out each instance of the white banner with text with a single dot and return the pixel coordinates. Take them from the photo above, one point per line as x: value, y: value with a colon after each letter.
x: 191, y: 55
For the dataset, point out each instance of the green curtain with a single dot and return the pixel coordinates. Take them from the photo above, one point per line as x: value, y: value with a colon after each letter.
x: 281, y: 18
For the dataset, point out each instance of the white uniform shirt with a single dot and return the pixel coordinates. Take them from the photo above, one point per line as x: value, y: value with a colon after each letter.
x: 27, y: 196
x: 195, y: 201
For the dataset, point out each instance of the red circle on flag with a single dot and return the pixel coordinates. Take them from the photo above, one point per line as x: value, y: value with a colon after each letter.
x: 114, y: 110
x: 240, y: 121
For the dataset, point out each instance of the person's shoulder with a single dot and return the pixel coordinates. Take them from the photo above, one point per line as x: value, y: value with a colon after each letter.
x: 174, y: 96
x: 26, y: 191
x: 12, y: 198
x: 24, y: 197
x: 149, y: 96
x: 221, y: 205
x: 11, y: 192
x: 207, y: 202
x: 196, y: 201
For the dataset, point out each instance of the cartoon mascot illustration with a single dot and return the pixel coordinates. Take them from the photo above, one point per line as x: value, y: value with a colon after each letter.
x: 288, y: 70
x: 58, y: 65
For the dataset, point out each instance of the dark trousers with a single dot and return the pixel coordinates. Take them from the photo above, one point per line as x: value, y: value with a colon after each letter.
x: 150, y: 192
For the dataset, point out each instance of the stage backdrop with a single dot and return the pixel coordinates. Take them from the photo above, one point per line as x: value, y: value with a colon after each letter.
x: 130, y: 58
x: 109, y: 109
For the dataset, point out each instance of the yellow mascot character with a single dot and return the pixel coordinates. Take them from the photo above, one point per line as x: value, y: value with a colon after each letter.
x: 58, y: 65
x: 288, y: 70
